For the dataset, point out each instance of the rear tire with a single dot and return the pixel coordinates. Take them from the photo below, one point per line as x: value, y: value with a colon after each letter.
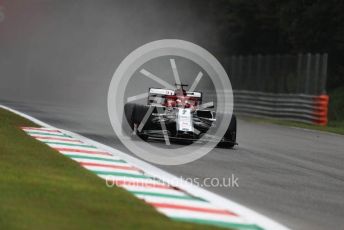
x: 139, y: 111
x: 127, y: 119
x: 135, y: 114
x: 230, y: 135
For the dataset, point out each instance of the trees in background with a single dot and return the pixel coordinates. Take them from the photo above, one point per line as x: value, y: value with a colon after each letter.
x: 285, y: 26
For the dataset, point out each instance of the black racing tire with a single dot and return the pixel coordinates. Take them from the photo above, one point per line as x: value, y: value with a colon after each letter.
x: 127, y: 118
x: 230, y: 135
x: 138, y: 114
x: 134, y: 113
x: 139, y: 111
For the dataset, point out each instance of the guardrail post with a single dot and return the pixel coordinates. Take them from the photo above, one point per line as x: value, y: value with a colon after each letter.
x: 249, y: 76
x: 316, y: 86
x: 233, y: 72
x: 278, y: 77
x: 323, y: 73
x: 300, y: 78
x: 308, y: 72
x: 259, y: 77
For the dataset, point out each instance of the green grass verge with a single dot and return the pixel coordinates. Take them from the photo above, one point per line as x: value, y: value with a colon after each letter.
x: 42, y: 189
x: 336, y: 106
x: 333, y: 127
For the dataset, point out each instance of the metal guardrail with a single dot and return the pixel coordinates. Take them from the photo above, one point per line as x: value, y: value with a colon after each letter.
x: 292, y: 74
x: 296, y: 107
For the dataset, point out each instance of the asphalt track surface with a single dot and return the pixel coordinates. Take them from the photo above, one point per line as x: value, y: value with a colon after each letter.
x: 56, y: 62
x: 292, y: 175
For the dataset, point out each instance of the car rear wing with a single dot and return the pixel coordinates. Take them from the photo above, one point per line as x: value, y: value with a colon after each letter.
x: 157, y: 96
x: 194, y: 94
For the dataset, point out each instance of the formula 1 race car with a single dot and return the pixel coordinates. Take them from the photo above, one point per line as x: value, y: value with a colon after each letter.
x: 177, y: 114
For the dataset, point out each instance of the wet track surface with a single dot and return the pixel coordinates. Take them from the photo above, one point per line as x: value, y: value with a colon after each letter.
x: 56, y: 62
x: 292, y: 175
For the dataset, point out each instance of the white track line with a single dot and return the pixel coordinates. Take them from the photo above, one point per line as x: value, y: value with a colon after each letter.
x: 206, y: 216
x: 214, y: 199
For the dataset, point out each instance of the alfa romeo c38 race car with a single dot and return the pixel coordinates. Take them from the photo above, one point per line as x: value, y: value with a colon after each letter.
x: 175, y: 115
